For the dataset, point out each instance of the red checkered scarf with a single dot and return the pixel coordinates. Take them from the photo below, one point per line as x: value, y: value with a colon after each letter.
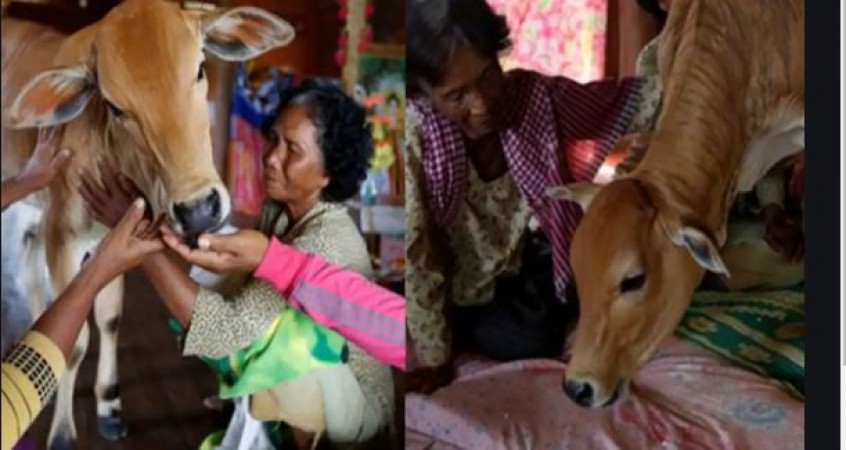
x: 557, y: 131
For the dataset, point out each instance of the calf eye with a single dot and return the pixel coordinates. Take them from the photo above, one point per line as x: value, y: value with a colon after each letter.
x: 632, y: 283
x: 201, y: 74
x: 114, y: 109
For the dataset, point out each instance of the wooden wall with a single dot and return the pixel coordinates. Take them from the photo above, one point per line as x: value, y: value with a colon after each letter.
x: 310, y: 54
x: 64, y: 15
x: 630, y: 28
x: 317, y: 25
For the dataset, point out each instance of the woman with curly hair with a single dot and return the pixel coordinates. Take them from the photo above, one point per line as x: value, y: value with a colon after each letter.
x: 293, y: 369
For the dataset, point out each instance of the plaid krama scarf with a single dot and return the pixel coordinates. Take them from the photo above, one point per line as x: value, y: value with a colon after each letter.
x: 556, y: 131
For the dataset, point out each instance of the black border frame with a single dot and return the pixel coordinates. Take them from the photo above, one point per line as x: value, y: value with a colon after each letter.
x: 823, y: 246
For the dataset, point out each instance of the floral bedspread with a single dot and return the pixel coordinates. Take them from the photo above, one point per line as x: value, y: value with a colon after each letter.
x: 685, y: 398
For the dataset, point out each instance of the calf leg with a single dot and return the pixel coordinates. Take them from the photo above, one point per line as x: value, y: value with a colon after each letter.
x: 63, y: 429
x: 107, y: 315
x: 64, y: 256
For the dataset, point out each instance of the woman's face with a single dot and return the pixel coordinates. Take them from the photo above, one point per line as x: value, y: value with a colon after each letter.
x: 293, y: 164
x: 471, y: 93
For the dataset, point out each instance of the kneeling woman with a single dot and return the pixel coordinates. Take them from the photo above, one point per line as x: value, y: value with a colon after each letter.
x: 318, y: 156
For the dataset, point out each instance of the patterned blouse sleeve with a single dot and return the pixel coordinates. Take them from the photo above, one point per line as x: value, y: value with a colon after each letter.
x: 646, y: 117
x: 223, y: 325
x: 425, y: 282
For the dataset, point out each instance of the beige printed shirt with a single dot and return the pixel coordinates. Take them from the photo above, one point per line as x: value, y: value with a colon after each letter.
x: 457, y: 266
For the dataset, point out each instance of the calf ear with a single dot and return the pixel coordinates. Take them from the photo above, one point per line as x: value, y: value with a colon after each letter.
x: 53, y: 97
x: 581, y: 193
x: 702, y: 248
x: 238, y: 34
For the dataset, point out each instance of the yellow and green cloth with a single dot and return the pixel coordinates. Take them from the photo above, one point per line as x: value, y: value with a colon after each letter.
x: 294, y: 345
x: 761, y: 331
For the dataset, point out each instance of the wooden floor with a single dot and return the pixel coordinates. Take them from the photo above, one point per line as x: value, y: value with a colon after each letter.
x: 162, y: 391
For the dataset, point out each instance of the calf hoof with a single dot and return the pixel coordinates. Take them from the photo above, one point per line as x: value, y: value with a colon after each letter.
x: 111, y: 428
x: 63, y: 443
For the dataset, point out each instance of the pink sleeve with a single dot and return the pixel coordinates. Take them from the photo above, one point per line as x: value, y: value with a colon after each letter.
x: 365, y: 313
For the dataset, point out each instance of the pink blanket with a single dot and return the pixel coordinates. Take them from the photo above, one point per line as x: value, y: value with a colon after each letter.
x: 685, y: 398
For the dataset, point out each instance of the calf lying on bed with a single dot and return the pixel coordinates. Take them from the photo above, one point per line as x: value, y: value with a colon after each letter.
x: 733, y: 105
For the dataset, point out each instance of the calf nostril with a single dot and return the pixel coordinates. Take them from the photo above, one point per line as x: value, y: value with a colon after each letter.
x: 213, y: 203
x: 199, y: 216
x: 182, y: 213
x: 581, y: 393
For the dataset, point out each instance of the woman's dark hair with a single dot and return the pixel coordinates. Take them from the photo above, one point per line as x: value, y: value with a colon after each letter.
x: 343, y: 134
x: 436, y: 28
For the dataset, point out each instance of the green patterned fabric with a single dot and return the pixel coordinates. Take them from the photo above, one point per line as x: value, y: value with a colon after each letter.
x: 761, y: 331
x: 293, y: 346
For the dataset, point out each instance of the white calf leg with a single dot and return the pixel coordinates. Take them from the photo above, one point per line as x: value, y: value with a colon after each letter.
x: 63, y: 430
x: 64, y: 257
x: 107, y: 314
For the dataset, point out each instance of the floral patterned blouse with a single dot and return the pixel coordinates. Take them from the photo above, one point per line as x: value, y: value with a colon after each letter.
x: 458, y: 266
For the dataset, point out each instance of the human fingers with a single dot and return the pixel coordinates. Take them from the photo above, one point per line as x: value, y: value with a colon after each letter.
x: 172, y: 240
x: 47, y: 135
x: 94, y: 204
x: 60, y: 158
x: 152, y: 229
x: 229, y: 243
x: 108, y: 177
x: 131, y: 218
x: 47, y: 143
x: 148, y: 246
x: 248, y: 246
x: 211, y: 261
x: 94, y: 187
x: 127, y: 185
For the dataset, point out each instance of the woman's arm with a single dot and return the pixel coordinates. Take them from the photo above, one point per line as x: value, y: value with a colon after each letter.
x: 217, y: 325
x: 176, y: 289
x: 42, y: 167
x: 425, y: 274
x: 32, y: 369
x: 343, y: 300
x: 15, y: 189
x: 367, y: 314
x: 131, y: 240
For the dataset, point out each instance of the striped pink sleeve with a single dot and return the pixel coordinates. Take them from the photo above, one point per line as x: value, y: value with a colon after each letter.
x: 365, y: 313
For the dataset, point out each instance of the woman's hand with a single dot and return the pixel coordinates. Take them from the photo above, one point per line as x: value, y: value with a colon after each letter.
x: 46, y: 161
x: 108, y: 205
x: 238, y: 252
x: 132, y: 239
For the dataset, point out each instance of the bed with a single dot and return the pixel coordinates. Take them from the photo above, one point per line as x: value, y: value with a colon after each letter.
x: 704, y: 389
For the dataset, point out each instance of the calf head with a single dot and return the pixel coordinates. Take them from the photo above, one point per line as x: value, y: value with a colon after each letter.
x: 636, y: 263
x: 137, y: 79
